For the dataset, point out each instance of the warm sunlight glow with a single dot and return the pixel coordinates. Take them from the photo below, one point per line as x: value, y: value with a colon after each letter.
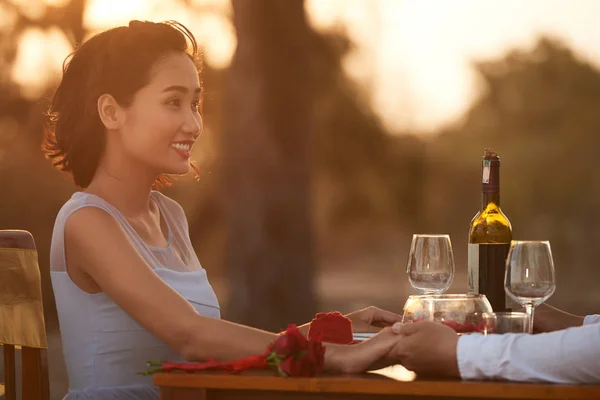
x: 207, y: 23
x: 412, y: 57
x: 56, y: 3
x: 33, y: 9
x: 39, y: 59
x: 360, y: 19
x: 221, y: 5
x: 217, y: 53
x: 420, y: 74
x: 396, y: 372
x: 7, y: 18
x: 103, y: 14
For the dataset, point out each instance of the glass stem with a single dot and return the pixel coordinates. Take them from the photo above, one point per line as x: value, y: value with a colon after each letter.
x: 529, y: 311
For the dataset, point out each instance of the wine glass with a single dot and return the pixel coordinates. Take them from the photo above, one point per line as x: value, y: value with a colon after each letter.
x: 529, y: 278
x: 505, y: 322
x: 430, y: 265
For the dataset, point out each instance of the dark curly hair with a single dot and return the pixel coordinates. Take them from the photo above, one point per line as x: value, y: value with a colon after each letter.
x: 118, y: 62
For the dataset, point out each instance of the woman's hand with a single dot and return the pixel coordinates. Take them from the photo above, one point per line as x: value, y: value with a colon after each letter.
x: 372, y: 319
x: 365, y: 356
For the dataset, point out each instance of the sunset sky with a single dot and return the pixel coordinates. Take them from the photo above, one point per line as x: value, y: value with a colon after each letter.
x: 413, y: 56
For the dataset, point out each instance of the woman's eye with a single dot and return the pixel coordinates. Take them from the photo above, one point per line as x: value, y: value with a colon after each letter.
x: 174, y: 102
x: 196, y: 105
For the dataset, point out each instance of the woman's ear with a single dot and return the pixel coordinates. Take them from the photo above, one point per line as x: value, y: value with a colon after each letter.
x: 110, y: 112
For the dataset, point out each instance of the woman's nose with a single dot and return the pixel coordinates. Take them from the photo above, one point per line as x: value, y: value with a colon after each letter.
x: 194, y: 125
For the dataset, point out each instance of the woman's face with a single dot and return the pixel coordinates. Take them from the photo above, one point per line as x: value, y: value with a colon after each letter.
x: 163, y: 121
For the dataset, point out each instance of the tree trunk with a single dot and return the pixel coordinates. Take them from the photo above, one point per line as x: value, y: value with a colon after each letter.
x: 266, y: 148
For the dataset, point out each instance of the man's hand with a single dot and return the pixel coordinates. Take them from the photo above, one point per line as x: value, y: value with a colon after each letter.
x: 549, y: 319
x: 427, y: 348
x: 372, y: 319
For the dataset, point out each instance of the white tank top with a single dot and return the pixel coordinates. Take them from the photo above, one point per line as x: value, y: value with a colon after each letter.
x: 104, y: 348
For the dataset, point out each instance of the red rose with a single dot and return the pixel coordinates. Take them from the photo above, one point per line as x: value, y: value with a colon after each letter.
x: 333, y: 326
x: 292, y: 366
x: 316, y: 355
x: 293, y: 355
x: 290, y: 342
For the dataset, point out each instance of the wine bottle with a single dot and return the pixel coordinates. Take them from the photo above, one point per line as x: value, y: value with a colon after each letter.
x: 490, y: 234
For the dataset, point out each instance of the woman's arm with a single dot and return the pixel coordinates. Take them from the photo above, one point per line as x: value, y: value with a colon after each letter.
x: 97, y: 246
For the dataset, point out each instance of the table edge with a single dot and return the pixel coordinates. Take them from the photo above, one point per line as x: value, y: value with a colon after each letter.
x: 360, y: 385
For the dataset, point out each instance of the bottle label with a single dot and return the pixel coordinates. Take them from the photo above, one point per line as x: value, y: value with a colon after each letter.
x: 473, y: 268
x: 486, y: 171
x: 486, y: 268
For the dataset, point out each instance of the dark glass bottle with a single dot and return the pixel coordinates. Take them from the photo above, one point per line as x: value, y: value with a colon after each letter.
x: 490, y: 234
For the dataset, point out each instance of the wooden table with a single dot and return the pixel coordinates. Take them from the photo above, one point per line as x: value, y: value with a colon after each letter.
x: 391, y: 383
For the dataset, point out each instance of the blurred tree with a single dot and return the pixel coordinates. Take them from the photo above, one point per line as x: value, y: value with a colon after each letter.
x: 364, y: 181
x: 35, y: 189
x: 266, y: 155
x: 367, y: 179
x: 32, y: 191
x: 538, y: 109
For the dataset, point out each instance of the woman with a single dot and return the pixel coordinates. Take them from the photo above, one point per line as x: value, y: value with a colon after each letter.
x: 128, y: 285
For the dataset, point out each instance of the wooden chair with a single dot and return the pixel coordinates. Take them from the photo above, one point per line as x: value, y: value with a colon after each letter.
x: 34, y: 360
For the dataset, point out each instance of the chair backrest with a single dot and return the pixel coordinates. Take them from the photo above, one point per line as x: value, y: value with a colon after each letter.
x: 35, y: 382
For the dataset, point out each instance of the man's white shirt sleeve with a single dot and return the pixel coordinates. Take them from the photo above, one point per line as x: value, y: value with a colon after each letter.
x: 591, y: 319
x: 567, y: 356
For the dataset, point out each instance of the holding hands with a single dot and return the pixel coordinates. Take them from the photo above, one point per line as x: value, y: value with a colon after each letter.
x: 425, y: 347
